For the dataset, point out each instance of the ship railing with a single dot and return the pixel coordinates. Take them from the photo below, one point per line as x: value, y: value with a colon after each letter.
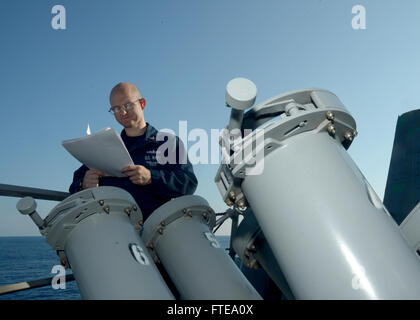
x: 8, y: 190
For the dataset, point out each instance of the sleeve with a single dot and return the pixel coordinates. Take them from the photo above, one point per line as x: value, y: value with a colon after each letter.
x: 174, y: 179
x: 78, y: 176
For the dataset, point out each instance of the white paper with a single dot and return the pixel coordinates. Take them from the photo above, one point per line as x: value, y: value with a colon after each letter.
x: 103, y: 150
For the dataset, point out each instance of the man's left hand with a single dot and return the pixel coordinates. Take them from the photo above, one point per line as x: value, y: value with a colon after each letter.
x: 138, y: 174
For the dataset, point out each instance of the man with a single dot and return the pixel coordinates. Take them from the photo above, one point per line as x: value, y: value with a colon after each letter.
x: 150, y: 182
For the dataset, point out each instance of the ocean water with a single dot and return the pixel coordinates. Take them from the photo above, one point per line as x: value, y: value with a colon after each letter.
x: 31, y: 258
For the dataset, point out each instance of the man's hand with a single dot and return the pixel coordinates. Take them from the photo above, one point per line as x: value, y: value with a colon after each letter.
x: 91, y: 178
x: 138, y: 174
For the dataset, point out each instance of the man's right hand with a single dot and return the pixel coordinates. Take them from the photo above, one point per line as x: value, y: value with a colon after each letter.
x: 91, y: 178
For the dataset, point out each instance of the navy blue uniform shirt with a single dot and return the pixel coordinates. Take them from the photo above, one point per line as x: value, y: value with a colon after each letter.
x: 169, y: 180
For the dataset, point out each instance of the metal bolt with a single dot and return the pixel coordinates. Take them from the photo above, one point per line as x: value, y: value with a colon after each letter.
x: 331, y: 129
x: 106, y: 209
x: 150, y: 246
x: 247, y: 254
x: 232, y: 195
x: 355, y: 133
x: 229, y: 202
x: 101, y: 202
x: 140, y: 222
x: 160, y: 230
x: 329, y: 115
x: 156, y: 260
x: 184, y: 210
x: 162, y: 223
x: 204, y: 214
x: 252, y: 247
x: 348, y: 136
x: 134, y: 207
x: 127, y: 210
x: 189, y: 213
x: 138, y: 228
x: 241, y: 203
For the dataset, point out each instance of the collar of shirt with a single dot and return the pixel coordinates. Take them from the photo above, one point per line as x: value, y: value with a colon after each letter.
x: 149, y: 136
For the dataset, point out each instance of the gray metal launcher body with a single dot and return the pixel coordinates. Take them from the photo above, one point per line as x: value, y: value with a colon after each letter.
x: 329, y: 232
x: 97, y: 233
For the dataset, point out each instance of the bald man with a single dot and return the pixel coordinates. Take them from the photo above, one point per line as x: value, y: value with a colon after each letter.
x: 149, y: 181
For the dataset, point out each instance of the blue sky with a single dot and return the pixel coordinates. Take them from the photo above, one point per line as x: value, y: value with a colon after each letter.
x: 181, y: 54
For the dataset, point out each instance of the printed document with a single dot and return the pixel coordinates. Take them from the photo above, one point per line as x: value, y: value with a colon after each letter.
x: 103, y: 150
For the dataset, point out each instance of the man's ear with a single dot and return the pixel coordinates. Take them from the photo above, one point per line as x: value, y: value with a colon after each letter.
x: 143, y: 103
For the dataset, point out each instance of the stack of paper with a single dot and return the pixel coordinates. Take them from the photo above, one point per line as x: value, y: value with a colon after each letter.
x: 103, y: 150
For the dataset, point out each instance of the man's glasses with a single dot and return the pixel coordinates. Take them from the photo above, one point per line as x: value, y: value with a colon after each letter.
x: 126, y: 107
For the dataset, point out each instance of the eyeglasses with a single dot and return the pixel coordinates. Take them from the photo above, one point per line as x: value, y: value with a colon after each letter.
x: 126, y: 107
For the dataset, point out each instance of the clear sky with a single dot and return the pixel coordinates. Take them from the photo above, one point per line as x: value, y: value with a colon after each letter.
x: 181, y: 54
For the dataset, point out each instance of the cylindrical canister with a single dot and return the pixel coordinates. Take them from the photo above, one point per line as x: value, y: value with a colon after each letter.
x: 98, y: 230
x: 253, y: 249
x: 328, y: 230
x: 178, y: 235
